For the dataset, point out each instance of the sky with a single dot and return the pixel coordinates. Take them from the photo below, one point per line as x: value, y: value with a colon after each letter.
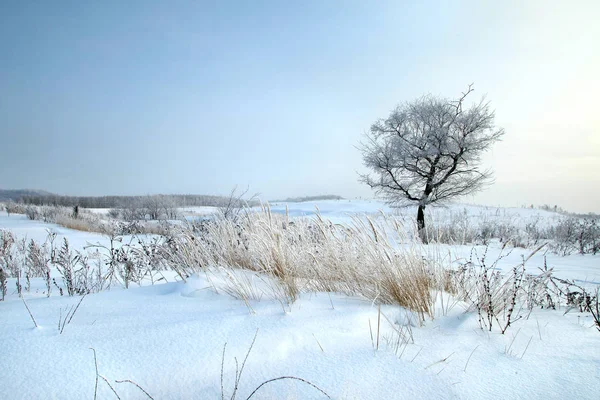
x: 143, y: 97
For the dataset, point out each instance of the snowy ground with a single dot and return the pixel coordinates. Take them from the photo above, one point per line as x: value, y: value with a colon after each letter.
x: 169, y: 339
x: 24, y: 228
x: 582, y: 268
x: 341, y: 210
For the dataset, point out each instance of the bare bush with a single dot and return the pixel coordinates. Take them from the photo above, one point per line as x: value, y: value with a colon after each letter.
x: 38, y: 263
x: 130, y: 262
x: 235, y: 203
x: 569, y: 235
x: 65, y: 262
x: 458, y: 229
x: 32, y: 212
x: 10, y: 264
x: 14, y: 208
x: 81, y: 220
x: 134, y: 212
x: 239, y: 371
x: 7, y: 241
x: 49, y: 213
x: 502, y: 299
x: 595, y: 310
x: 576, y: 235
x: 494, y: 296
x: 3, y: 282
x: 114, y: 213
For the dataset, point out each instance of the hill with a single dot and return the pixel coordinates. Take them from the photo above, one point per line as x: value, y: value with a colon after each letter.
x: 6, y: 195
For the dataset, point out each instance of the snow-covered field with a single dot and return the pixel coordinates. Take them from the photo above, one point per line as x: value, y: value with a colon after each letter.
x: 169, y: 337
x: 341, y: 210
x: 583, y: 268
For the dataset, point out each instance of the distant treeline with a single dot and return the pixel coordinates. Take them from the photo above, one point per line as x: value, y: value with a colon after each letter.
x: 177, y: 200
x: 16, y: 194
x: 310, y: 198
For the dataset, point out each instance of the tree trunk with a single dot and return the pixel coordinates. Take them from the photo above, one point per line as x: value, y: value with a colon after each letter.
x: 421, y: 223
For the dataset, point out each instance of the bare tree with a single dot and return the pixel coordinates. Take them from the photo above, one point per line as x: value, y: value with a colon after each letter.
x: 154, y: 206
x: 428, y: 151
x: 134, y: 211
x: 233, y: 204
x: 169, y: 207
x: 114, y: 213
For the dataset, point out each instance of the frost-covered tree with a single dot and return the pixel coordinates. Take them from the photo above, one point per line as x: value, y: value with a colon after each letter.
x: 428, y: 151
x: 154, y: 206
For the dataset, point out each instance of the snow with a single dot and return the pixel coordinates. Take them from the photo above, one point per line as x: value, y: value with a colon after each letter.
x: 38, y: 231
x: 204, y: 210
x: 169, y: 338
x: 331, y: 209
x: 584, y: 269
x: 341, y: 210
x: 99, y: 211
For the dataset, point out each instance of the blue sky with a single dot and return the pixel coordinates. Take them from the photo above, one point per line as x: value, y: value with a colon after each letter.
x: 138, y: 97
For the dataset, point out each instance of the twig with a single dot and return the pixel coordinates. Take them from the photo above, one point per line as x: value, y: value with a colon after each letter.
x: 329, y: 294
x: 526, y: 347
x: 507, y: 350
x: 467, y: 363
x: 596, y: 310
x: 75, y: 310
x: 419, y: 352
x: 223, y: 362
x: 100, y: 376
x: 440, y: 361
x: 29, y: 311
x: 96, y: 364
x: 69, y: 316
x: 110, y: 386
x: 321, y: 347
x: 238, y: 376
x: 378, y: 324
x: 288, y: 377
x: 64, y: 322
x: 138, y: 386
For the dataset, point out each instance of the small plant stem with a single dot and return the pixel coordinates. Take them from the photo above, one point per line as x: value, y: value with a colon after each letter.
x: 29, y: 311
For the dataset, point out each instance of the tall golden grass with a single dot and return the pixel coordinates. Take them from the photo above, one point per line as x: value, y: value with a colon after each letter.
x: 370, y: 258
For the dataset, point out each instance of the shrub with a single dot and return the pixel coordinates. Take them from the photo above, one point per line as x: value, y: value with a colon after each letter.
x: 574, y: 234
x: 78, y: 224
x: 114, y: 213
x: 14, y: 208
x: 38, y: 263
x: 32, y: 212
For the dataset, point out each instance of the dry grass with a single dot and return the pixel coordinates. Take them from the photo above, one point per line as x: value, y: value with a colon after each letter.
x: 261, y: 255
x: 369, y: 258
x: 77, y: 224
x: 87, y: 221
